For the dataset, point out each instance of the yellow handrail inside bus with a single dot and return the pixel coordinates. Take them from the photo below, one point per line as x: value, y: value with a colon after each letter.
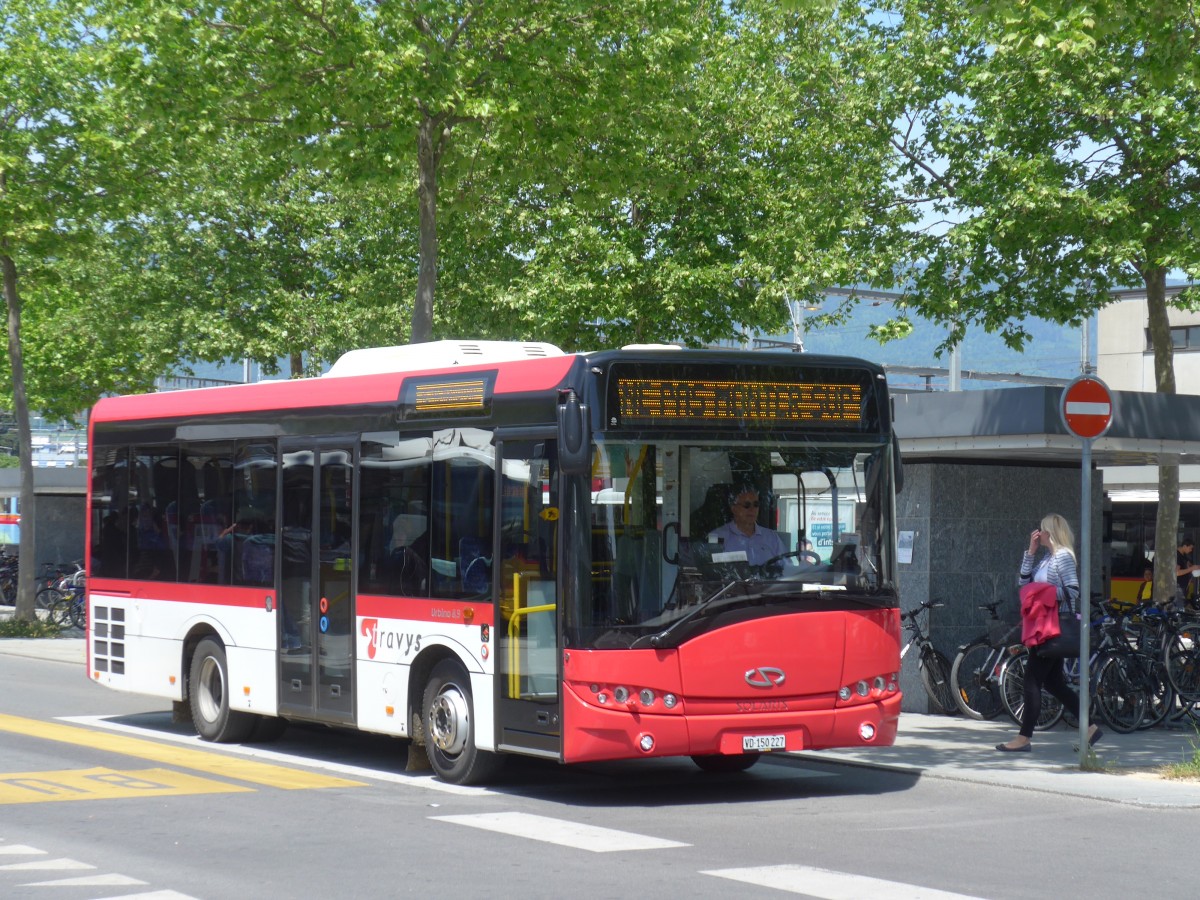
x: 514, y: 634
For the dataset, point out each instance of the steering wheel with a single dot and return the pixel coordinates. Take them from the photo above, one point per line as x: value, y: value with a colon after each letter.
x: 805, y: 558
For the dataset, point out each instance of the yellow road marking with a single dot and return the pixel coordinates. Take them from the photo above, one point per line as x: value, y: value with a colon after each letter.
x: 184, y: 757
x: 106, y: 784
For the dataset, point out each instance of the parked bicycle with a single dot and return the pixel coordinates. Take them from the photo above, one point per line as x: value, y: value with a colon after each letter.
x: 71, y: 608
x: 933, y: 664
x: 67, y: 585
x: 975, y: 674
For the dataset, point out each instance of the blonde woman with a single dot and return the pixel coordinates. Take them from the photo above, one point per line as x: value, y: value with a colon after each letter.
x: 1056, y: 566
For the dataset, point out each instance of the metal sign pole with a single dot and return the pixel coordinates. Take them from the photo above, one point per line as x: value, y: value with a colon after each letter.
x: 1085, y: 596
x: 1087, y: 412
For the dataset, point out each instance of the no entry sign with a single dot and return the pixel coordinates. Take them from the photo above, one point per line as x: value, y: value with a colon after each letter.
x: 1087, y: 407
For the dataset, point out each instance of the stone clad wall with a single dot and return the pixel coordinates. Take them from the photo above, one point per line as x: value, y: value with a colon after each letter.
x: 971, y: 524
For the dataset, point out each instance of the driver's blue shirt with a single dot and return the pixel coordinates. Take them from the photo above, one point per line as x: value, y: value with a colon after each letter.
x: 759, y: 547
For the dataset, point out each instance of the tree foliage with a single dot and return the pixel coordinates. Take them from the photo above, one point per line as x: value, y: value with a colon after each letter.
x: 412, y: 98
x: 1049, y: 151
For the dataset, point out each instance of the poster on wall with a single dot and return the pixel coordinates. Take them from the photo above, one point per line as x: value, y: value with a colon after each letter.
x: 904, y: 547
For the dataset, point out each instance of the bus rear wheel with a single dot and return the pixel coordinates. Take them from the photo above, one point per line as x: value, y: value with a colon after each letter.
x: 208, y: 696
x: 448, y: 716
x: 719, y: 763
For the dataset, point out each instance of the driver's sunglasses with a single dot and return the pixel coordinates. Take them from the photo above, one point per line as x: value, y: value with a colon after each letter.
x: 749, y: 504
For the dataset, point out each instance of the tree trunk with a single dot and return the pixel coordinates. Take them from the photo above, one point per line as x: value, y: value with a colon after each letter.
x: 427, y: 190
x: 1166, y: 526
x: 28, y: 566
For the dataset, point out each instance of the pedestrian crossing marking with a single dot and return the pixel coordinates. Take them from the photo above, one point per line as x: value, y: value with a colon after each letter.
x: 827, y: 884
x: 112, y: 880
x: 218, y: 764
x: 20, y: 850
x: 105, y: 784
x: 62, y: 864
x: 561, y: 832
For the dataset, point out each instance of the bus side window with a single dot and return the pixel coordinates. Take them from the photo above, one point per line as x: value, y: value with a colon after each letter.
x: 461, y: 516
x: 394, y: 538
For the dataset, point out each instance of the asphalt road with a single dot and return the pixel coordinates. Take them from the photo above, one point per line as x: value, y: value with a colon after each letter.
x: 102, y: 796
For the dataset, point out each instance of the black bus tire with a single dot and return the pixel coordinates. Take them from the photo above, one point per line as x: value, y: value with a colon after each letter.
x: 448, y: 718
x: 208, y: 696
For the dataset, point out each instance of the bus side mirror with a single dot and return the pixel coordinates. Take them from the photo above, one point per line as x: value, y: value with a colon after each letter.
x: 574, y: 440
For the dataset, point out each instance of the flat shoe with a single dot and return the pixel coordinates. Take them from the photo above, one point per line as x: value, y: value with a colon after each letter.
x: 1024, y: 748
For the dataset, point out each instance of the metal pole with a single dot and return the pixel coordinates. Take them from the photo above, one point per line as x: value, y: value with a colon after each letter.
x: 1085, y: 596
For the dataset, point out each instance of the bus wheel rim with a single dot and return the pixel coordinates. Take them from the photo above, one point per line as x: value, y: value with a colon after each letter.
x: 449, y: 720
x: 211, y: 690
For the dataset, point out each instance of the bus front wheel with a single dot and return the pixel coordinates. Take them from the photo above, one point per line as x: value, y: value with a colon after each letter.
x: 449, y: 721
x: 208, y: 696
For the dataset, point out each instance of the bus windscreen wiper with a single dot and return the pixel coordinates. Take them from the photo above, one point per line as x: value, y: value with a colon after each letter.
x: 658, y: 640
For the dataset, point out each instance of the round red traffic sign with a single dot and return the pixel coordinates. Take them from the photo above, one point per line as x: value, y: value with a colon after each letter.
x: 1087, y: 407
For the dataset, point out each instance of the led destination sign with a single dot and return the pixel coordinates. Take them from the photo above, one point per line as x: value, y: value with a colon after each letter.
x: 741, y: 403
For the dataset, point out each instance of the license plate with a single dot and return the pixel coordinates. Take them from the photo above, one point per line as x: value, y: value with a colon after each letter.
x: 760, y: 742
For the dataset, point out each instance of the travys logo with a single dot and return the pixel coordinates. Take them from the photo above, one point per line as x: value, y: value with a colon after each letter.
x: 404, y: 642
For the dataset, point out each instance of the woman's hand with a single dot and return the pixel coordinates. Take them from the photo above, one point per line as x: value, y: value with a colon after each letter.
x: 1033, y: 541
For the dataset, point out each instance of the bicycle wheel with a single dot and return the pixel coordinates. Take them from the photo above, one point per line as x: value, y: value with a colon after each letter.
x: 1012, y: 694
x: 44, y: 602
x: 77, y: 611
x: 1161, y: 699
x: 973, y: 678
x: 1120, y: 695
x: 60, y: 613
x: 1181, y: 655
x: 935, y: 675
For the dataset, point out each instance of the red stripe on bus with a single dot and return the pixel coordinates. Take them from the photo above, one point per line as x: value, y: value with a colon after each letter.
x: 418, y: 609
x: 171, y: 592
x: 425, y: 609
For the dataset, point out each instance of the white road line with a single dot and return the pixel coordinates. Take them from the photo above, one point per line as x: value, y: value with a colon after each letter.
x: 154, y: 895
x: 20, y: 850
x: 829, y: 885
x: 47, y: 865
x: 561, y: 832
x: 422, y: 781
x: 113, y: 880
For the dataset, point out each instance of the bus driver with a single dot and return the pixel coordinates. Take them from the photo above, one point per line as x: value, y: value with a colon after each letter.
x: 742, y: 533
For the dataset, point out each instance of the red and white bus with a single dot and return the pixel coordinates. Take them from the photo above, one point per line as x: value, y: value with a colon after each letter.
x: 493, y: 548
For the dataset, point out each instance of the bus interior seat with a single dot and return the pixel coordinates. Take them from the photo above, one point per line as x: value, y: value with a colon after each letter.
x: 474, y: 567
x: 712, y: 513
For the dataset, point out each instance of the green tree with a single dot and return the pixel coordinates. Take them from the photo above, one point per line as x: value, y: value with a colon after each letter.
x: 1048, y: 151
x: 68, y: 168
x: 410, y: 95
x: 44, y: 180
x: 739, y: 201
x: 304, y: 267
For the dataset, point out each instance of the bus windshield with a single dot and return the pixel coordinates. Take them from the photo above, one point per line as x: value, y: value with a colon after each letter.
x: 685, y: 533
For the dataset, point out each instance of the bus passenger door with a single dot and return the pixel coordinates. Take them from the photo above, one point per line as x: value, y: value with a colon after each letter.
x: 528, y: 707
x: 316, y: 642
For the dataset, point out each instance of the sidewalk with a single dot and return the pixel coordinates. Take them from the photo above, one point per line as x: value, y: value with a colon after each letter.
x: 951, y: 747
x: 69, y: 649
x: 962, y: 749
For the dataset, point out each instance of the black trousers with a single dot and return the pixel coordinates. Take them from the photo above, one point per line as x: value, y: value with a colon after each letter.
x: 1045, y: 673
